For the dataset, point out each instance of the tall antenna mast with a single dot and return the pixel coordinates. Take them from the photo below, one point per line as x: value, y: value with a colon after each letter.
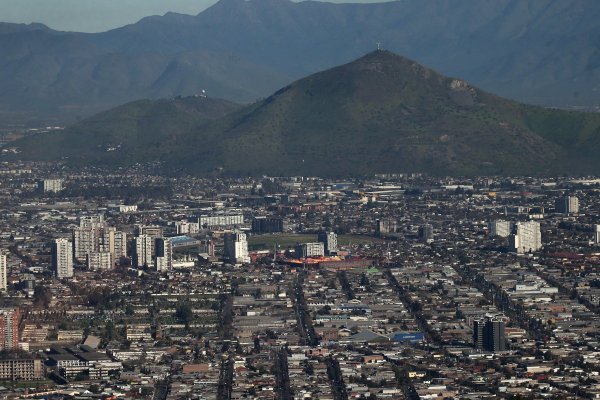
x: 378, y: 45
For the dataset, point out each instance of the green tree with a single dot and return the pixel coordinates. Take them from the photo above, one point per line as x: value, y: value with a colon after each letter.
x: 42, y: 296
x: 109, y: 331
x: 184, y: 313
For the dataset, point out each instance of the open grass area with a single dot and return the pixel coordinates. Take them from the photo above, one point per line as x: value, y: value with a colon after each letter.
x: 264, y: 242
x: 26, y: 384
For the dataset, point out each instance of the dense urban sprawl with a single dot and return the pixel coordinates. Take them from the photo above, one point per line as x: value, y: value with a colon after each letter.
x: 134, y: 285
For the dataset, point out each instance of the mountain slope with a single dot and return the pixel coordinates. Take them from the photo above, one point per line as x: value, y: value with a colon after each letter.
x: 141, y: 131
x: 537, y: 51
x: 65, y: 76
x: 385, y: 113
x: 516, y: 48
x: 380, y: 113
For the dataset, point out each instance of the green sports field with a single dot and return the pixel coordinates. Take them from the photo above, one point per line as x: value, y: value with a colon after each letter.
x: 267, y: 241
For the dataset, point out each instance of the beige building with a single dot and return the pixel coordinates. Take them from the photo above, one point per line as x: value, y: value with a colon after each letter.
x: 21, y: 369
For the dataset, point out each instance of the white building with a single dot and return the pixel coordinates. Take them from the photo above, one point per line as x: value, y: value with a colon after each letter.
x: 527, y: 237
x: 185, y: 227
x: 220, y: 221
x: 100, y: 261
x: 597, y: 233
x: 86, y: 242
x: 86, y: 238
x: 164, y: 254
x: 114, y: 242
x: 567, y: 205
x: 426, y: 233
x: 92, y: 221
x: 9, y: 328
x: 500, y: 228
x: 236, y: 248
x: 154, y: 232
x: 62, y: 258
x: 329, y: 240
x: 50, y: 185
x: 3, y: 272
x: 316, y: 249
x: 93, y: 236
x: 119, y: 248
x: 143, y: 251
x: 122, y: 208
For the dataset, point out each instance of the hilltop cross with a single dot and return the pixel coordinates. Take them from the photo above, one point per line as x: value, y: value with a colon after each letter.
x: 378, y: 45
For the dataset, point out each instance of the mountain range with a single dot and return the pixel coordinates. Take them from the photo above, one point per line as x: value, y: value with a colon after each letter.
x: 380, y: 113
x: 536, y: 51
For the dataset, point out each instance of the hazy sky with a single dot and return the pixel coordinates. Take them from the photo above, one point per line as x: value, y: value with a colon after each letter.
x: 97, y: 15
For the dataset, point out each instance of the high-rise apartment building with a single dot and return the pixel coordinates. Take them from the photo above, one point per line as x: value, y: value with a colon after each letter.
x: 154, y: 232
x: 267, y: 225
x: 426, y: 233
x: 120, y: 246
x: 106, y: 239
x: 567, y: 205
x: 21, y: 369
x: 94, y: 236
x: 385, y: 226
x: 85, y: 241
x: 330, y: 242
x: 3, y: 272
x: 499, y: 228
x: 236, y: 248
x: 86, y: 238
x: 478, y: 333
x: 62, y: 258
x: 186, y: 227
x: 220, y: 221
x: 50, y: 185
x: 113, y: 242
x: 92, y: 221
x: 208, y: 247
x: 526, y: 237
x: 488, y: 334
x: 100, y: 261
x: 305, y: 250
x: 164, y: 254
x: 143, y: 246
x: 9, y: 328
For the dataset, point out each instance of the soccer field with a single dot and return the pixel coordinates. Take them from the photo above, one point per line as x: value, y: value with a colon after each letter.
x: 264, y: 242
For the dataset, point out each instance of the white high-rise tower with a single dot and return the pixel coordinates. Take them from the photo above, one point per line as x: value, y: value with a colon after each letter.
x: 143, y: 251
x: 62, y: 258
x: 236, y: 248
x: 527, y: 237
x: 164, y: 254
x: 3, y: 272
x: 499, y: 228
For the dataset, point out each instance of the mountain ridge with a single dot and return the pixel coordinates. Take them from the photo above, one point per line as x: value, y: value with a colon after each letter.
x: 380, y: 113
x: 536, y: 51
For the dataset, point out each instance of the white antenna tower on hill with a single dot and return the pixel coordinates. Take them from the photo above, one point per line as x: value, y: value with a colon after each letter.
x: 378, y: 45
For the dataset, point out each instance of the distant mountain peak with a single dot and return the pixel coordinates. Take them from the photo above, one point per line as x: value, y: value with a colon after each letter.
x: 7, y: 27
x: 244, y: 50
x: 389, y: 59
x: 227, y: 4
x: 387, y: 70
